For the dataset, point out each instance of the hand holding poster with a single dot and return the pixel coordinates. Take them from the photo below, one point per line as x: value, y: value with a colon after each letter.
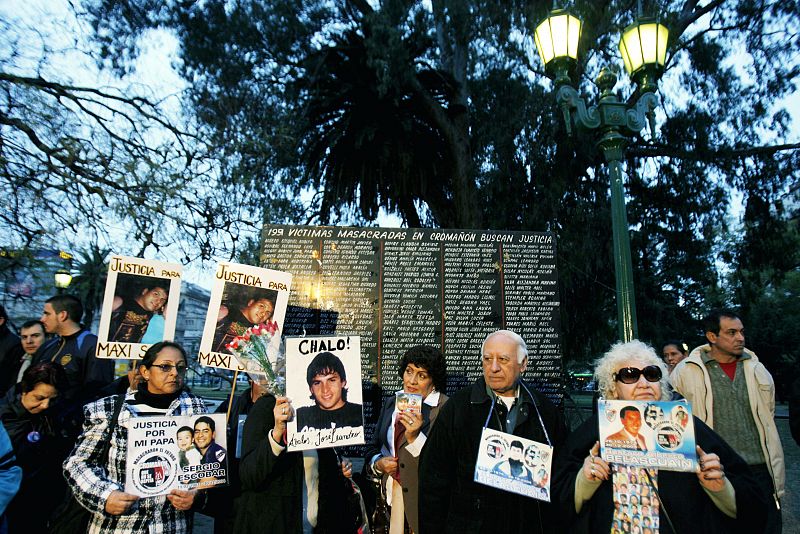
x: 140, y: 306
x: 323, y: 381
x: 176, y: 452
x: 242, y: 296
x: 656, y: 434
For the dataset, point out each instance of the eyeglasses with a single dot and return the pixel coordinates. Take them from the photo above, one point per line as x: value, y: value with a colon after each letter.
x: 630, y: 375
x: 167, y: 368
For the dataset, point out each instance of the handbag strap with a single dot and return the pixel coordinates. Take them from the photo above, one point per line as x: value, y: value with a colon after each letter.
x: 112, y: 425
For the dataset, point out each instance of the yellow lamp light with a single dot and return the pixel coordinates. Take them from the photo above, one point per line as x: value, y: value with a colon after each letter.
x: 63, y: 279
x: 643, y: 47
x: 556, y: 39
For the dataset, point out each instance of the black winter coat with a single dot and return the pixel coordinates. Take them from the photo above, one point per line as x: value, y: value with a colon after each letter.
x: 450, y: 500
x: 40, y: 456
x: 272, y: 486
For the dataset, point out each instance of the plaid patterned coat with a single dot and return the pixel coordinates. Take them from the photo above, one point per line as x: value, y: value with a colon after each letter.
x: 92, y: 479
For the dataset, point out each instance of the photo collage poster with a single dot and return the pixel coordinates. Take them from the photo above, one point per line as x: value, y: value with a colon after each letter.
x: 242, y: 296
x: 657, y: 434
x: 176, y: 452
x: 323, y: 381
x: 636, y: 504
x: 514, y: 464
x: 140, y: 306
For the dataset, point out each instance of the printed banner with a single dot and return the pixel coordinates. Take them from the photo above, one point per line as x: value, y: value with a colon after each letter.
x: 656, y: 434
x: 514, y: 464
x: 242, y: 296
x: 323, y: 381
x: 176, y: 452
x: 140, y: 306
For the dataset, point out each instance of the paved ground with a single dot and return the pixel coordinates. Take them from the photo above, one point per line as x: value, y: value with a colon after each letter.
x: 791, y: 501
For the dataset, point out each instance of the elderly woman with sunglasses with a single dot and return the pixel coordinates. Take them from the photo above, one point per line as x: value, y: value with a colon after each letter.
x: 98, y: 480
x: 720, y: 497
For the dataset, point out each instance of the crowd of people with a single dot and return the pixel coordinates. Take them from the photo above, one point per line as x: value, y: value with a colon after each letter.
x: 65, y: 423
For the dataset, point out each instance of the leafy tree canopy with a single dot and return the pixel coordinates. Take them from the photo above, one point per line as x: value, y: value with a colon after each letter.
x: 438, y: 111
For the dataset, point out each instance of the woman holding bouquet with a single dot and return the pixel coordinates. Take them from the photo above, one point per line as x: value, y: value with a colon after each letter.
x: 401, y: 435
x: 289, y: 492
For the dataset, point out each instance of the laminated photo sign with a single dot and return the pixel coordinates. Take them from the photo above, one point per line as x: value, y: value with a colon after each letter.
x: 323, y: 382
x: 175, y: 452
x: 657, y: 434
x: 140, y: 306
x: 242, y: 296
x: 514, y: 464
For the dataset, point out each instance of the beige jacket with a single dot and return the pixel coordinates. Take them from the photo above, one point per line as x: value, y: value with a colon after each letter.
x: 690, y: 378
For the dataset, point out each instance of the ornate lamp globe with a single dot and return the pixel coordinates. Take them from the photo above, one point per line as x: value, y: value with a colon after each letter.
x: 643, y: 47
x: 556, y: 39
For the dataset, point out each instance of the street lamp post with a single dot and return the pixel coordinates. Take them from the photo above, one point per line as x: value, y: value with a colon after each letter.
x: 643, y: 48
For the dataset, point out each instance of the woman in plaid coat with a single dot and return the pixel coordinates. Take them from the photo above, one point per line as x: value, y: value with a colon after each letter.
x: 98, y: 482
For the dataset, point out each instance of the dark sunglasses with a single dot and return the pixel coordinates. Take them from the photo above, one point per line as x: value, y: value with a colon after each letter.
x: 167, y: 368
x: 630, y: 375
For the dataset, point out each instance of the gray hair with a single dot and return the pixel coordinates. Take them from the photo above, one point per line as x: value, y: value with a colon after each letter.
x: 619, y: 355
x: 522, y: 348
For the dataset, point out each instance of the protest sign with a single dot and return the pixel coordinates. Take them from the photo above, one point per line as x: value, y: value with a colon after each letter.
x: 657, y: 434
x: 175, y: 452
x: 514, y: 464
x: 140, y: 306
x: 323, y: 380
x: 242, y: 296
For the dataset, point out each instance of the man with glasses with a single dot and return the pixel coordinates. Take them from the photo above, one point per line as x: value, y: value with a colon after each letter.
x: 450, y: 499
x: 733, y: 393
x: 131, y: 316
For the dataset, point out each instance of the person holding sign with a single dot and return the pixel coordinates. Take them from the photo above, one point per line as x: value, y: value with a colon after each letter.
x: 395, y: 450
x: 720, y: 497
x: 450, y: 498
x: 289, y: 492
x: 97, y: 480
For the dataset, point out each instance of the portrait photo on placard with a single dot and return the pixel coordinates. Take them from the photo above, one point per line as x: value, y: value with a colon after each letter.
x: 242, y: 296
x: 323, y: 382
x: 139, y: 306
x: 241, y: 308
x: 647, y: 433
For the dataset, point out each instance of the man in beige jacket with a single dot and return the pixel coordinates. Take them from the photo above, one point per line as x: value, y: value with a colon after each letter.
x: 732, y: 392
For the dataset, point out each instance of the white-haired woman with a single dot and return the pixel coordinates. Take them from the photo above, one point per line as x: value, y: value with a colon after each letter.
x: 720, y: 497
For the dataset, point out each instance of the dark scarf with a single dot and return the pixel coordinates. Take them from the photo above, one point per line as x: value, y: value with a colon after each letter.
x: 155, y: 400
